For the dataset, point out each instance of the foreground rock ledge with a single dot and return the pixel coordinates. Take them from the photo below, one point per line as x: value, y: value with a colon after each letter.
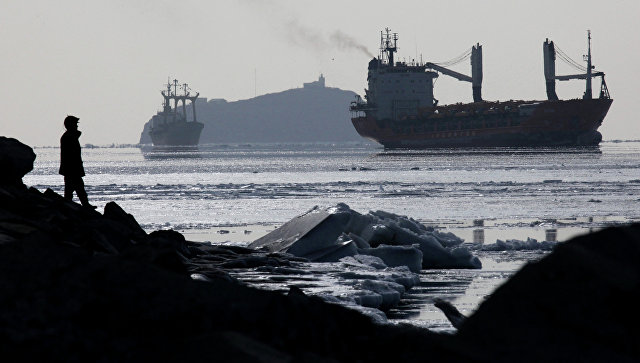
x: 76, y: 285
x: 68, y: 291
x: 83, y: 286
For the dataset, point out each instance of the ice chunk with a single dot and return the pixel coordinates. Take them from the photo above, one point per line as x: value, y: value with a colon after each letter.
x: 332, y: 233
x: 281, y: 239
x: 333, y: 253
x: 447, y: 239
x: 359, y: 241
x: 373, y: 261
x: 409, y: 256
x: 375, y: 234
x: 368, y: 299
x: 531, y: 244
x: 388, y: 291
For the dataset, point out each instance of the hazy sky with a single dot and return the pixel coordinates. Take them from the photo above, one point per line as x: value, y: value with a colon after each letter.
x: 106, y: 61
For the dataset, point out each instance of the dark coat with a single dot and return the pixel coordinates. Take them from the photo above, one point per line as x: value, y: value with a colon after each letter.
x: 70, y: 158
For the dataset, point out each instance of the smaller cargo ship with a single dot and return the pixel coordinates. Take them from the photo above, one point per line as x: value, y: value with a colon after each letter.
x: 170, y: 126
x: 400, y: 110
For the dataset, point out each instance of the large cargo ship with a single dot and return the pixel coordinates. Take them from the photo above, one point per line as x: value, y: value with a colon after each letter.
x: 170, y: 127
x: 400, y: 111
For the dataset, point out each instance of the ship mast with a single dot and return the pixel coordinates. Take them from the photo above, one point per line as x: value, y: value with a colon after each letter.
x: 173, y: 95
x: 587, y: 93
x: 167, y: 97
x: 550, y: 50
x: 387, y: 47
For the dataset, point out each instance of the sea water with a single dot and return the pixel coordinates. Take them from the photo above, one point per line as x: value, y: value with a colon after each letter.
x: 237, y: 193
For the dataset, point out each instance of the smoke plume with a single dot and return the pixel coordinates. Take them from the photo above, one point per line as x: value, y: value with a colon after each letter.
x: 347, y: 42
x: 306, y: 37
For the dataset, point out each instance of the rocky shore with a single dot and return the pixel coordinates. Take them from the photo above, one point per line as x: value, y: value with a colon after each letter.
x: 79, y: 285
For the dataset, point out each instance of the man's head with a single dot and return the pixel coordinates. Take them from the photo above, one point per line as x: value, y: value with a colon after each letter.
x: 71, y: 122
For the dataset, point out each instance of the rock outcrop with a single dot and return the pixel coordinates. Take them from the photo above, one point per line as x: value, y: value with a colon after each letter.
x: 16, y: 160
x: 579, y: 303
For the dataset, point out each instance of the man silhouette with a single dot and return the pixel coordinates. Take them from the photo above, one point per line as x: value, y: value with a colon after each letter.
x: 71, y: 162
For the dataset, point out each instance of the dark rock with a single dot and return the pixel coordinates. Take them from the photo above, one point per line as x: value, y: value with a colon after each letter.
x: 116, y: 213
x: 163, y: 257
x: 453, y: 315
x: 254, y: 261
x: 49, y: 193
x: 211, y: 273
x: 229, y: 346
x: 66, y: 302
x: 16, y: 160
x: 296, y: 291
x: 576, y: 304
x: 109, y: 234
x: 169, y: 239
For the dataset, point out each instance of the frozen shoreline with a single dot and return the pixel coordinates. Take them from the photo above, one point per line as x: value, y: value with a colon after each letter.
x: 492, y: 229
x: 466, y: 288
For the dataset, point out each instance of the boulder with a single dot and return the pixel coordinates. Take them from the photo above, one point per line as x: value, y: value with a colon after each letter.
x: 16, y: 160
x: 576, y: 304
x: 114, y: 212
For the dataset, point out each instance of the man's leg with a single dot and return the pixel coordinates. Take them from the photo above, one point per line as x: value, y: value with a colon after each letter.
x: 82, y: 194
x: 69, y: 187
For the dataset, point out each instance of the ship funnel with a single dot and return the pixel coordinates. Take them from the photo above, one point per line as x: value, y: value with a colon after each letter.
x: 549, y: 53
x: 476, y: 72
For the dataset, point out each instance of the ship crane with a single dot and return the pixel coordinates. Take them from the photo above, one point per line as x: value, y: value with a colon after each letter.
x: 173, y: 95
x: 550, y: 51
x: 476, y: 70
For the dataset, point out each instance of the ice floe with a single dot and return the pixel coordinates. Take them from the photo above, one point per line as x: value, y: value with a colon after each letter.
x: 361, y: 282
x: 531, y: 244
x: 364, y: 261
x: 329, y: 234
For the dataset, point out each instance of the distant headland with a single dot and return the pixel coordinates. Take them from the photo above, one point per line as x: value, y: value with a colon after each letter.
x: 313, y: 113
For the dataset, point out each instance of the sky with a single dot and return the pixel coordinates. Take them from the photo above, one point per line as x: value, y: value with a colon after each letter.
x: 106, y: 61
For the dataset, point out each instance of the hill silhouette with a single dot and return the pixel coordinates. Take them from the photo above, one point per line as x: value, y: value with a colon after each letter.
x: 313, y: 113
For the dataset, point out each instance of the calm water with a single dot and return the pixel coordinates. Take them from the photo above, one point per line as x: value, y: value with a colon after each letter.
x: 237, y: 193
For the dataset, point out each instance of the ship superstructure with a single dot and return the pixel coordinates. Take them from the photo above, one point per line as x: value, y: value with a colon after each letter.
x: 400, y: 111
x: 170, y: 126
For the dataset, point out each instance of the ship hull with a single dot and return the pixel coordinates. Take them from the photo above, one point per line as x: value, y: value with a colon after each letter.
x: 176, y: 134
x: 488, y: 124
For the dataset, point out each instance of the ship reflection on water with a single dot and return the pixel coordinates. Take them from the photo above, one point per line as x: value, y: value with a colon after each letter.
x: 481, y: 231
x: 551, y: 235
x: 488, y: 151
x: 478, y: 236
x: 170, y: 152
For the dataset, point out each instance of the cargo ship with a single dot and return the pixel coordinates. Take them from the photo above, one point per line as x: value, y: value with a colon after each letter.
x: 170, y: 127
x: 399, y: 109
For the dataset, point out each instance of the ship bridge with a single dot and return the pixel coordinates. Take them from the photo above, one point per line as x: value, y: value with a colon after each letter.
x: 397, y: 90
